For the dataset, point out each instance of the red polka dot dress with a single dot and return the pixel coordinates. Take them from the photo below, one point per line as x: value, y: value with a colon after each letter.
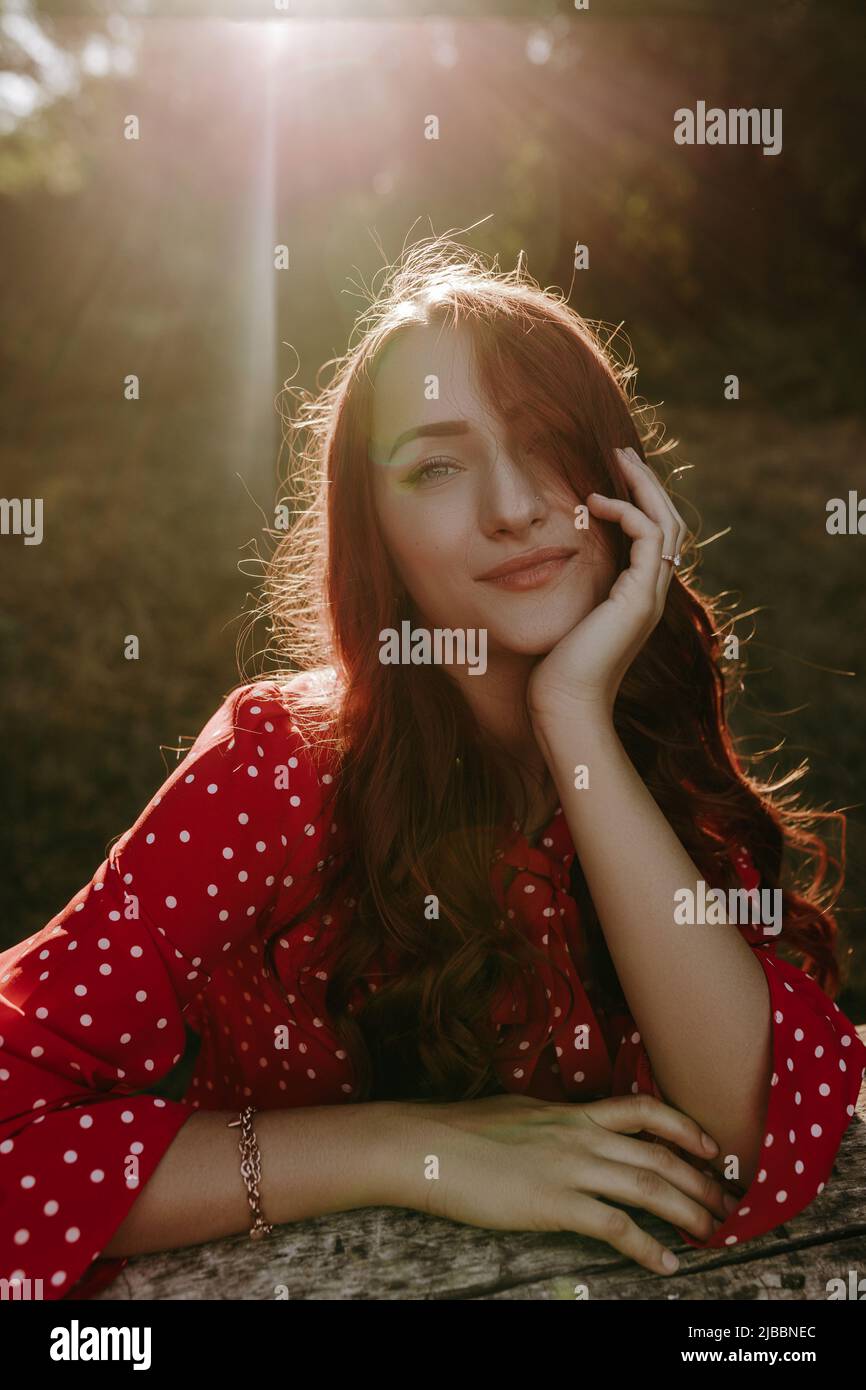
x: 147, y: 997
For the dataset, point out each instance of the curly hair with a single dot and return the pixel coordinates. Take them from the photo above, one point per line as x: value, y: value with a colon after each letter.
x: 421, y: 784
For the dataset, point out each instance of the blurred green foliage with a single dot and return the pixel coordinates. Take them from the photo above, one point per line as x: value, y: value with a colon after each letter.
x: 154, y: 257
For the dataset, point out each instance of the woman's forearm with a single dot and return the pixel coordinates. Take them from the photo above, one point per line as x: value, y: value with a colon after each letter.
x: 697, y: 994
x: 315, y: 1160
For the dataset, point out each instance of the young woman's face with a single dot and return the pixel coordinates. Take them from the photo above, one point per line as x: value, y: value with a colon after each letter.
x: 455, y: 505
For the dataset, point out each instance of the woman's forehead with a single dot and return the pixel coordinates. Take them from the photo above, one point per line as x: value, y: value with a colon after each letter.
x: 427, y: 373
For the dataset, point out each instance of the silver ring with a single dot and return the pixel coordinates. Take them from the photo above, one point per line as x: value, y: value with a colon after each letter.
x: 676, y: 560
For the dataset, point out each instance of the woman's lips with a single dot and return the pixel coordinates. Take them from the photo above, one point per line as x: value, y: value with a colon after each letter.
x: 531, y: 578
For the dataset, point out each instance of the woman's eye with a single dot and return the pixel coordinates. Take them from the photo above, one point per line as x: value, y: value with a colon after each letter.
x: 423, y: 472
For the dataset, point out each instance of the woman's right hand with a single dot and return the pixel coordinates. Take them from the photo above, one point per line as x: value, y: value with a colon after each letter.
x: 514, y: 1163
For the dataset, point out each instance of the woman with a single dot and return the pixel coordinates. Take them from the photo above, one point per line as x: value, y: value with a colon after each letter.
x: 420, y: 922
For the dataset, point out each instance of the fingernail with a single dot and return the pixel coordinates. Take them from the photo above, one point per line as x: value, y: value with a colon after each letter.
x: 709, y: 1144
x: 729, y: 1203
x: 670, y: 1261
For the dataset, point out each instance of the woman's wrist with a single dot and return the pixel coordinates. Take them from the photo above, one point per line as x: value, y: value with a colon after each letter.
x: 582, y: 708
x: 409, y: 1136
x: 568, y: 733
x: 326, y: 1158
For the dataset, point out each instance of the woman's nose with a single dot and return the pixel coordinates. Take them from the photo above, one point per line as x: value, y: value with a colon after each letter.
x: 512, y: 499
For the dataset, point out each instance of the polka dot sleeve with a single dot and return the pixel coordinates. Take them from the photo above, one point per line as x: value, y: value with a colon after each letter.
x: 818, y: 1066
x: 91, y: 1007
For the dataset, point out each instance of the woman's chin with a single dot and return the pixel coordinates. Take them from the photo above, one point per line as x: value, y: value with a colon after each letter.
x: 529, y: 643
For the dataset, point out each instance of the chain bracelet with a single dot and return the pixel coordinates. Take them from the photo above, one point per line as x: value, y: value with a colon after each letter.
x: 251, y: 1170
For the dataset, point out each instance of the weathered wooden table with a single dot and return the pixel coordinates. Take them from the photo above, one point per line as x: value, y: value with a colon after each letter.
x: 391, y: 1253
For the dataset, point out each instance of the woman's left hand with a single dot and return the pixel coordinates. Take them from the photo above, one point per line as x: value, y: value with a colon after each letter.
x: 586, y: 667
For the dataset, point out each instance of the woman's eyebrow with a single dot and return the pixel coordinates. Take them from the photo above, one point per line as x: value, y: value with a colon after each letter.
x: 432, y: 429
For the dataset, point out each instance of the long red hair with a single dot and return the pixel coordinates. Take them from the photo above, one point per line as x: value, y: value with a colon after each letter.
x: 420, y: 783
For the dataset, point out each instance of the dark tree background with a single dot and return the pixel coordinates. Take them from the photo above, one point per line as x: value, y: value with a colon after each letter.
x: 155, y: 257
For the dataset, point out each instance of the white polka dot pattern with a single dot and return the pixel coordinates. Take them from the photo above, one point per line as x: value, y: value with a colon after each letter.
x: 169, y: 936
x: 557, y: 1047
x: 92, y: 1007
